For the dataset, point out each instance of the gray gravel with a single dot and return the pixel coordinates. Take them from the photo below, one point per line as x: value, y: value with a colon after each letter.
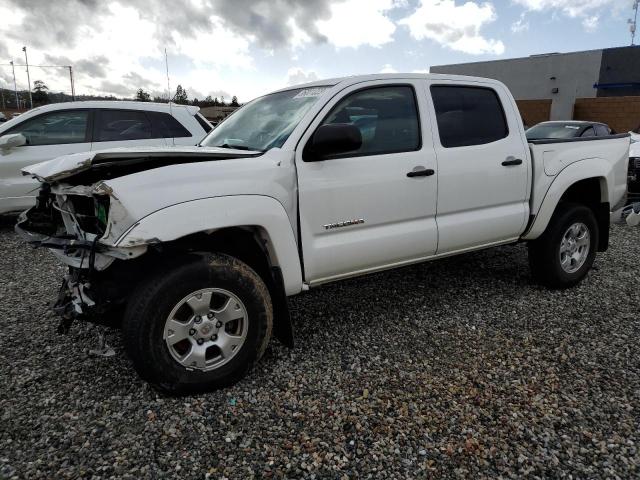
x: 458, y: 368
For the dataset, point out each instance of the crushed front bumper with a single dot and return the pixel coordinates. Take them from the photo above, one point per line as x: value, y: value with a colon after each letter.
x: 98, y: 279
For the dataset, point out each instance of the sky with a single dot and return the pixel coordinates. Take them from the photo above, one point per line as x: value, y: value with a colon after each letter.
x: 250, y: 47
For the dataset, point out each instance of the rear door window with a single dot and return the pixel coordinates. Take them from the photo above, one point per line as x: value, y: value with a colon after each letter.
x: 468, y: 115
x: 121, y: 126
x: 55, y: 128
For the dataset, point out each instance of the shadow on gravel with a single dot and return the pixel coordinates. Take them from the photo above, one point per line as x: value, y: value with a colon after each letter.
x: 7, y: 221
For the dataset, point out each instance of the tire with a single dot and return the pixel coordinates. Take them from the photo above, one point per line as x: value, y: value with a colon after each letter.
x: 233, y: 290
x: 546, y: 252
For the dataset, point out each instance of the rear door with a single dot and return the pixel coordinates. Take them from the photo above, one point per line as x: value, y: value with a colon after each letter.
x: 124, y: 128
x: 360, y: 211
x: 483, y: 167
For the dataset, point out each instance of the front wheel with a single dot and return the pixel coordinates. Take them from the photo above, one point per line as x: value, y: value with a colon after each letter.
x: 199, y: 327
x: 565, y: 252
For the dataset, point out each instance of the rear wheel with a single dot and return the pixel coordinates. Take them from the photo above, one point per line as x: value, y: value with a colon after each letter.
x: 563, y: 255
x: 199, y: 327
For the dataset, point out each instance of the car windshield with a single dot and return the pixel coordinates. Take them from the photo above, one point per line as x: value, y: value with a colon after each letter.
x: 265, y: 122
x: 555, y: 130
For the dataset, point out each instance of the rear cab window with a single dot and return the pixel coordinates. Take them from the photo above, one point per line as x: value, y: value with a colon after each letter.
x: 468, y: 115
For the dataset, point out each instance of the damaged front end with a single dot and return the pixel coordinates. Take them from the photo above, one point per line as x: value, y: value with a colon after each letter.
x: 79, y: 217
x: 76, y: 223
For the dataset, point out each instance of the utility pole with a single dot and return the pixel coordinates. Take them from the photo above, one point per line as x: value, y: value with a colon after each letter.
x: 26, y: 62
x: 15, y: 87
x: 73, y: 88
x: 633, y: 22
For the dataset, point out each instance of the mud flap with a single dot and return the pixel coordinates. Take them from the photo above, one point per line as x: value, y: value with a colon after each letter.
x: 282, y: 326
x: 603, y: 217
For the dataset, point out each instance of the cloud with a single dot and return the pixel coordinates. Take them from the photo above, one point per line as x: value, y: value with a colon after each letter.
x: 520, y: 25
x: 46, y: 23
x: 273, y: 22
x: 590, y: 23
x: 297, y: 75
x: 117, y: 89
x: 353, y: 23
x: 587, y: 10
x: 93, y: 67
x: 454, y: 26
x: 388, y: 68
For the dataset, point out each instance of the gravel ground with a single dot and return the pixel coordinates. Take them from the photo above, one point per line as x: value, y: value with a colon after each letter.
x: 458, y: 368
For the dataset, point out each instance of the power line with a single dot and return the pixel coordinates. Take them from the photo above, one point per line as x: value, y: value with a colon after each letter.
x: 13, y: 65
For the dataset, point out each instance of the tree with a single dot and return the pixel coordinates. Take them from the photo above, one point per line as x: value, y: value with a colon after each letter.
x: 40, y: 93
x: 142, y: 96
x: 207, y: 102
x: 195, y: 102
x: 234, y: 101
x: 181, y: 96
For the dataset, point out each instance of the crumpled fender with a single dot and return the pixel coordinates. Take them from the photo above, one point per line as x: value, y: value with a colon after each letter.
x: 210, y: 214
x: 571, y: 174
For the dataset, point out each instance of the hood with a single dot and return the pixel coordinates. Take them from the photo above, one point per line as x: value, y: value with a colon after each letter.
x: 123, y: 161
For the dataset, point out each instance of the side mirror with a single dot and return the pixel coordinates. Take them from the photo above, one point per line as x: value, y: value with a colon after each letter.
x: 333, y: 139
x: 12, y: 140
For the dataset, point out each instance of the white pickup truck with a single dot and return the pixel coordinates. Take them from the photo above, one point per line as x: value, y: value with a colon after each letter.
x: 199, y: 247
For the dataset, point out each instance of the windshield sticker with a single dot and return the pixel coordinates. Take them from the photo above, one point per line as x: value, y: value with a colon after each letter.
x: 572, y: 127
x: 310, y: 92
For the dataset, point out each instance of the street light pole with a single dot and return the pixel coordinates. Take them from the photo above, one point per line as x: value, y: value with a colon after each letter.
x: 26, y: 61
x: 15, y: 87
x: 633, y: 22
x: 73, y: 88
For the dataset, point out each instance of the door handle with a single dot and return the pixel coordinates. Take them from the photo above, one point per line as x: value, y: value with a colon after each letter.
x: 511, y: 161
x: 425, y: 172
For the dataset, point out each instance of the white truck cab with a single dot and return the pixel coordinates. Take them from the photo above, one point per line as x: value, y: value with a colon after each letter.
x: 311, y: 184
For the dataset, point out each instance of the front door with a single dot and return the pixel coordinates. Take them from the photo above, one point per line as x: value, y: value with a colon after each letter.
x: 374, y: 207
x: 48, y: 136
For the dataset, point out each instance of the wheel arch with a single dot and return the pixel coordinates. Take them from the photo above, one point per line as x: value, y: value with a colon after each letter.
x: 253, y: 228
x: 572, y: 185
x: 251, y: 245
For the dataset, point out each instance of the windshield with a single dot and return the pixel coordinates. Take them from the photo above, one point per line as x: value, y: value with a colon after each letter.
x: 558, y: 130
x: 265, y: 122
